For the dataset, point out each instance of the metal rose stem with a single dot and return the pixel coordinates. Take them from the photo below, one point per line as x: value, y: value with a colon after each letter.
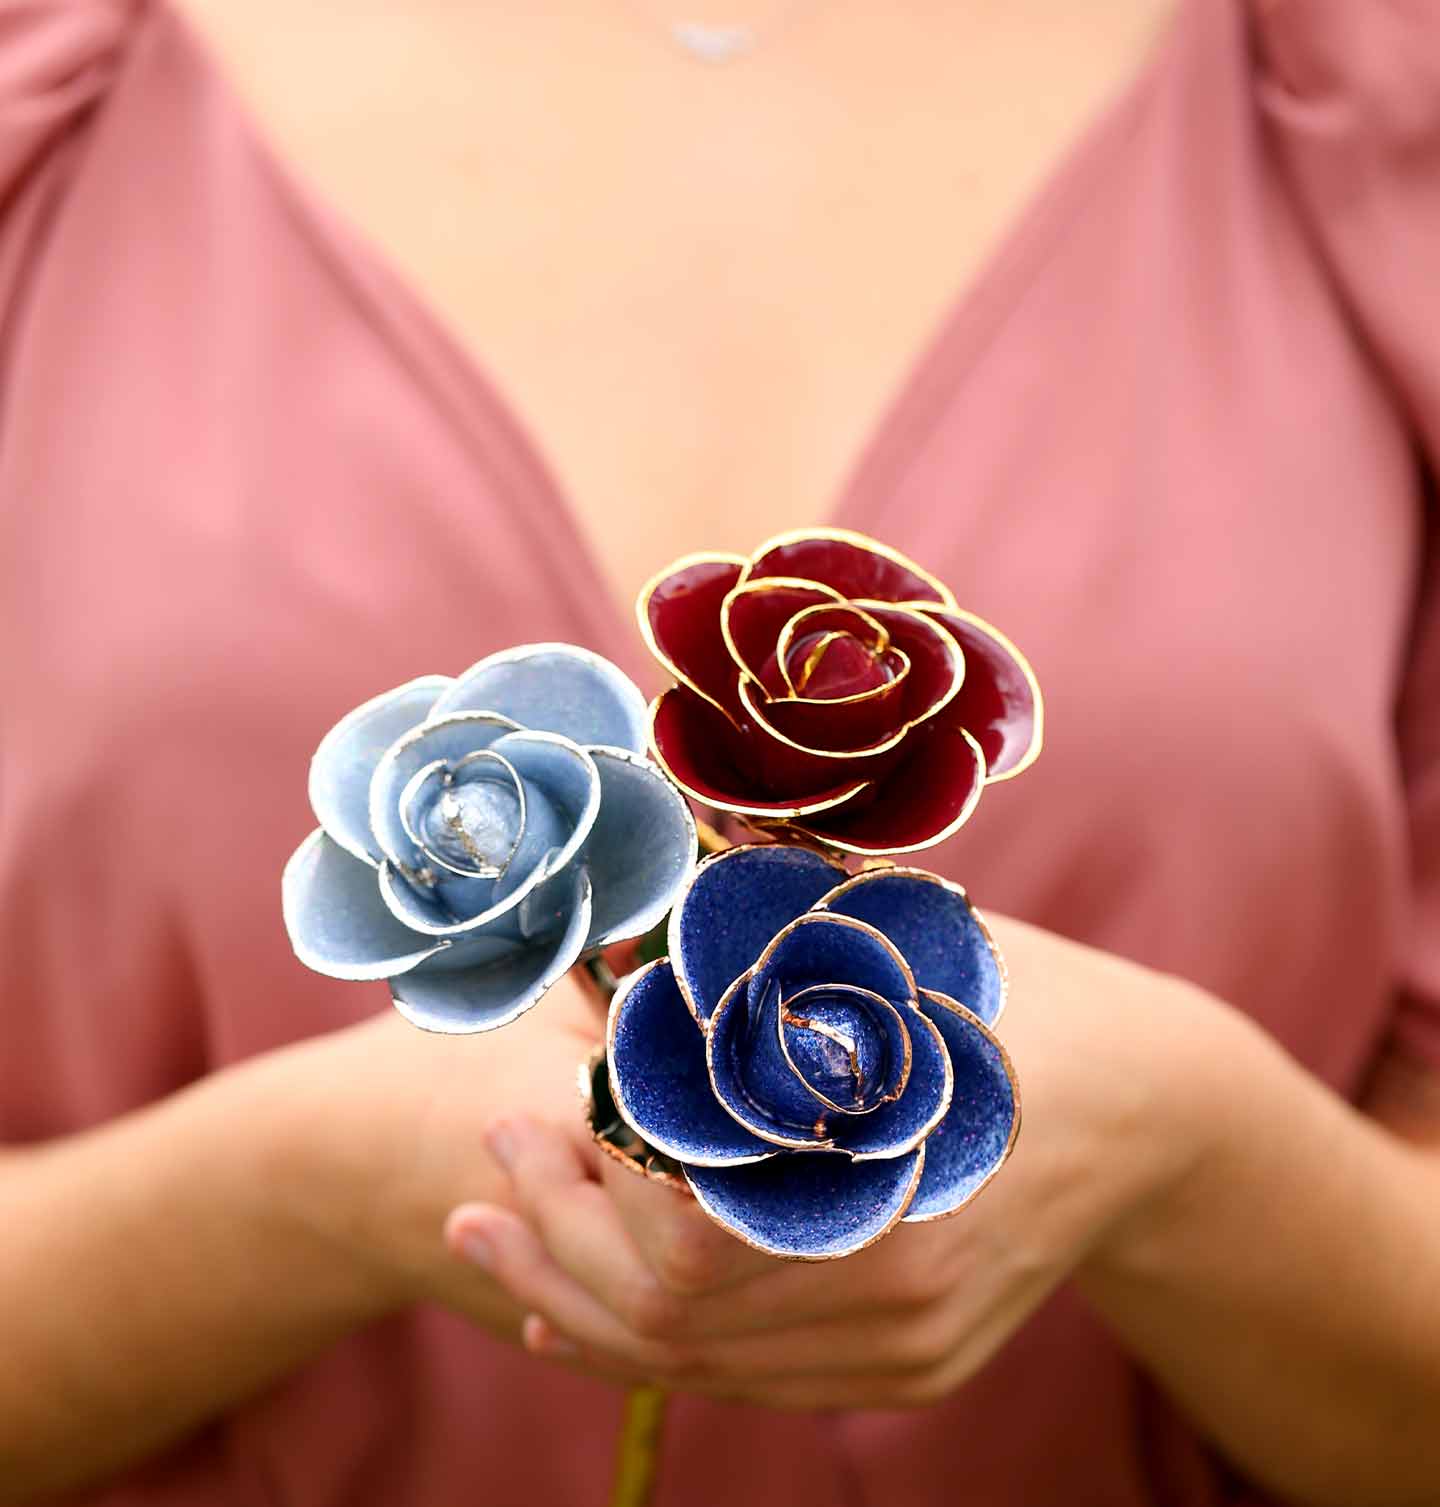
x: 642, y: 1424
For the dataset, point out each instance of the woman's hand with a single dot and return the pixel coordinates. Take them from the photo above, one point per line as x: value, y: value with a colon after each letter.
x: 629, y: 1279
x: 395, y: 1139
x: 159, y: 1269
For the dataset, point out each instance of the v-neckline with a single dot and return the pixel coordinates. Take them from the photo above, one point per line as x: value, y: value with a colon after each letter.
x: 474, y: 399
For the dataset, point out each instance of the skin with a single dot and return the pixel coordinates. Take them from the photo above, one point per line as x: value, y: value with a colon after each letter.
x: 312, y: 1184
x: 1224, y: 1213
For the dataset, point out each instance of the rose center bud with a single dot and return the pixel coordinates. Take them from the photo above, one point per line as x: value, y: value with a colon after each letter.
x: 832, y: 665
x: 830, y: 1034
x: 475, y: 827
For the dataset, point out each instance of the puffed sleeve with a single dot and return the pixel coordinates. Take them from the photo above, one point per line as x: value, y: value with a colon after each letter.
x: 1350, y: 96
x: 56, y: 60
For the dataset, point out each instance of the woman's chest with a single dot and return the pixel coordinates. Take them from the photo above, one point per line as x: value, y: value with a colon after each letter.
x: 697, y: 288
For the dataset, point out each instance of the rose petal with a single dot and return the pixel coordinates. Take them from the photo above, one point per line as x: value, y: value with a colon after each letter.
x: 937, y: 664
x: 785, y: 762
x: 679, y: 613
x: 810, y: 1206
x: 821, y: 948
x: 1000, y: 703
x: 448, y: 739
x: 938, y: 932
x: 862, y: 728
x: 850, y: 1048
x: 750, y: 1076
x: 562, y: 798
x: 696, y: 747
x: 341, y: 770
x: 732, y: 908
x: 833, y: 651
x: 904, y: 1123
x: 850, y: 564
x: 640, y: 849
x: 555, y: 688
x: 337, y: 922
x: 485, y: 996
x: 754, y: 614
x: 924, y: 799
x: 659, y: 1080
x: 980, y: 1127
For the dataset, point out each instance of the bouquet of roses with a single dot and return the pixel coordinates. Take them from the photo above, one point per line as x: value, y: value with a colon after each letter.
x: 814, y: 1058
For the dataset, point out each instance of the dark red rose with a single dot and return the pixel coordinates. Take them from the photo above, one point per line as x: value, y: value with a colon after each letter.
x: 831, y: 688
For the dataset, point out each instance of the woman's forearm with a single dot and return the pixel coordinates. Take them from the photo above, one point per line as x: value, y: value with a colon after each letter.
x: 1286, y: 1291
x: 156, y: 1270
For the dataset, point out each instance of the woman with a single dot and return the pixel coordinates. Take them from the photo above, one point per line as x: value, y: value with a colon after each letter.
x: 1172, y: 435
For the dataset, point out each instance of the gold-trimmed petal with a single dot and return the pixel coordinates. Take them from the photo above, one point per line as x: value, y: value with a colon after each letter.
x: 942, y: 1107
x: 794, y: 627
x: 944, y: 597
x: 743, y: 590
x: 764, y: 1132
x: 907, y: 1197
x: 943, y: 1001
x: 758, y: 717
x: 949, y: 642
x: 647, y: 628
x: 878, y: 849
x: 780, y: 810
x: 1037, y: 732
x: 884, y: 869
x: 782, y: 1019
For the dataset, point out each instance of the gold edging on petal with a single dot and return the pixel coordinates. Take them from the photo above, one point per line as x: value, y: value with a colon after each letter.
x: 1037, y: 732
x: 763, y: 813
x: 647, y: 632
x: 757, y: 588
x: 781, y: 1022
x: 672, y: 929
x: 928, y: 1129
x: 771, y: 731
x: 788, y: 633
x: 861, y: 541
x: 790, y: 1143
x: 902, y: 871
x: 946, y: 1002
x: 612, y: 1020
x: 584, y: 1082
x: 810, y: 916
x: 909, y: 610
x: 851, y: 1250
x: 872, y: 749
x: 914, y: 847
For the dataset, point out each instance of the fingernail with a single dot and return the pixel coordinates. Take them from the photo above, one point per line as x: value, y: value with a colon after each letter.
x: 477, y: 1248
x: 541, y: 1339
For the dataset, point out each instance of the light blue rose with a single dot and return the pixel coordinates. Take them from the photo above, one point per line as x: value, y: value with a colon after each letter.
x: 478, y: 836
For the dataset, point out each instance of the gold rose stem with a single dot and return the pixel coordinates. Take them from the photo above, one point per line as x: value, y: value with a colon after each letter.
x: 637, y: 1452
x: 637, y: 1456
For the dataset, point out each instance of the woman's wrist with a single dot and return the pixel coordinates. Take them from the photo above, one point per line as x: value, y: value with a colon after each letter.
x: 1195, y: 1055
x: 307, y: 1162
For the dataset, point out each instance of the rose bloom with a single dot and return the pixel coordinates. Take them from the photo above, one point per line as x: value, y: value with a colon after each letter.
x: 830, y: 688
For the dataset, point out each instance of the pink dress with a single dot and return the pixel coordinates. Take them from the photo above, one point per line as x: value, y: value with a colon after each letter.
x: 1173, y: 439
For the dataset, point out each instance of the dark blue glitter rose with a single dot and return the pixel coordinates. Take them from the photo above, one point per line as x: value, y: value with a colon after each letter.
x: 816, y: 1052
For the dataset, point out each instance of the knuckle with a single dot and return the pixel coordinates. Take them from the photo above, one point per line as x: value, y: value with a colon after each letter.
x: 650, y: 1311
x: 917, y: 1346
x: 687, y: 1263
x: 923, y: 1388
